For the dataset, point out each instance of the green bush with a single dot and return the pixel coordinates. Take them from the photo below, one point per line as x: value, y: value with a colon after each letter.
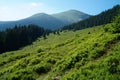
x: 21, y: 75
x: 114, y: 27
x: 42, y: 68
x: 34, y: 61
x: 51, y: 60
x: 113, y: 65
x: 39, y: 50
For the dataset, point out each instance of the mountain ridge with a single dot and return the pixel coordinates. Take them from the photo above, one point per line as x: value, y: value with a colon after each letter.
x: 46, y: 20
x: 104, y: 17
x: 67, y: 16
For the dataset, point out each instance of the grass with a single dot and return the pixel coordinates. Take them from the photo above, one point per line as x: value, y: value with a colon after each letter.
x: 86, y: 54
x: 105, y: 68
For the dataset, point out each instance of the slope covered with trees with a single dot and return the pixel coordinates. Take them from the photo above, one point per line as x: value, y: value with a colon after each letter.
x: 19, y: 36
x: 100, y: 19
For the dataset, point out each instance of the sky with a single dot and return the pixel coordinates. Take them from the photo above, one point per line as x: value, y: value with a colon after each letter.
x: 18, y: 9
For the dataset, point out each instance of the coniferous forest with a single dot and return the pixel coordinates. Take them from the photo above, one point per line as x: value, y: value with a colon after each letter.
x: 19, y: 36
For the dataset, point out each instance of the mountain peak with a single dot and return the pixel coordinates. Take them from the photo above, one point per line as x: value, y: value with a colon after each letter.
x: 52, y: 22
x: 75, y: 11
x: 71, y: 16
x: 39, y: 15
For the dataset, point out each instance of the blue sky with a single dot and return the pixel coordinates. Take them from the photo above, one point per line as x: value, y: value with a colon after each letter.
x: 18, y: 9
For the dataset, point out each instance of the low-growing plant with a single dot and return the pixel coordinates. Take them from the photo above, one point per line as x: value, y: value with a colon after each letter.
x: 42, y: 68
x: 34, y: 61
x: 39, y: 50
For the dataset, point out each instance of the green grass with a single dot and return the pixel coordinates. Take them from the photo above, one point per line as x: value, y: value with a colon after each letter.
x: 105, y: 68
x: 86, y: 54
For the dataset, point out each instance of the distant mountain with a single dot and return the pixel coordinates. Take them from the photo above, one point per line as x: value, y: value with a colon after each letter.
x: 41, y: 19
x: 53, y: 21
x: 71, y: 16
x: 104, y: 17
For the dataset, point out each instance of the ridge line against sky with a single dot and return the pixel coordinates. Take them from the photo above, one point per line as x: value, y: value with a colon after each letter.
x: 19, y: 9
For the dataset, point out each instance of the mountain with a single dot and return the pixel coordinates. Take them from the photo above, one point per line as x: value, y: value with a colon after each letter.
x: 41, y: 19
x: 53, y: 22
x: 100, y: 19
x: 71, y: 16
x: 89, y: 54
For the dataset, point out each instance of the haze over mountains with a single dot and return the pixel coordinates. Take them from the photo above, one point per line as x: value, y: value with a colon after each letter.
x: 47, y: 21
x: 71, y: 16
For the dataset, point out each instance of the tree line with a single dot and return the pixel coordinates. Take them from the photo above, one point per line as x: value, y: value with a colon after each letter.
x: 100, y: 19
x: 19, y: 36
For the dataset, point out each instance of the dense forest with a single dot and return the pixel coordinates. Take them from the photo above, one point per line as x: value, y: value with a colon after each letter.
x: 103, y: 18
x: 19, y: 36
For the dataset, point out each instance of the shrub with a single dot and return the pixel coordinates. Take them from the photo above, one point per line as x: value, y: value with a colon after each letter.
x: 39, y: 50
x: 88, y: 32
x: 113, y: 64
x: 108, y: 28
x: 52, y: 61
x: 34, y: 61
x: 28, y: 77
x: 115, y: 27
x: 21, y: 75
x: 68, y: 63
x: 42, y: 68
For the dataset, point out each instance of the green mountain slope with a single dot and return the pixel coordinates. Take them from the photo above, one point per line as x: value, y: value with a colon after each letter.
x: 104, y: 17
x: 92, y: 53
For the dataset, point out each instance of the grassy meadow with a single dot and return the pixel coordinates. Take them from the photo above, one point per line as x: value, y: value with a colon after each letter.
x: 88, y: 54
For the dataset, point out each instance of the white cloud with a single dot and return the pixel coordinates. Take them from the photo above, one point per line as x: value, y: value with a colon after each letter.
x: 34, y: 4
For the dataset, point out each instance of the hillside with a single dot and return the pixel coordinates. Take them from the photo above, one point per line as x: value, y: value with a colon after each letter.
x: 20, y: 36
x: 92, y: 53
x: 104, y: 17
x: 46, y: 21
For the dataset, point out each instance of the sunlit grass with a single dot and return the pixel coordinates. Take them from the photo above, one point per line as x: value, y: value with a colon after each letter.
x: 70, y: 55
